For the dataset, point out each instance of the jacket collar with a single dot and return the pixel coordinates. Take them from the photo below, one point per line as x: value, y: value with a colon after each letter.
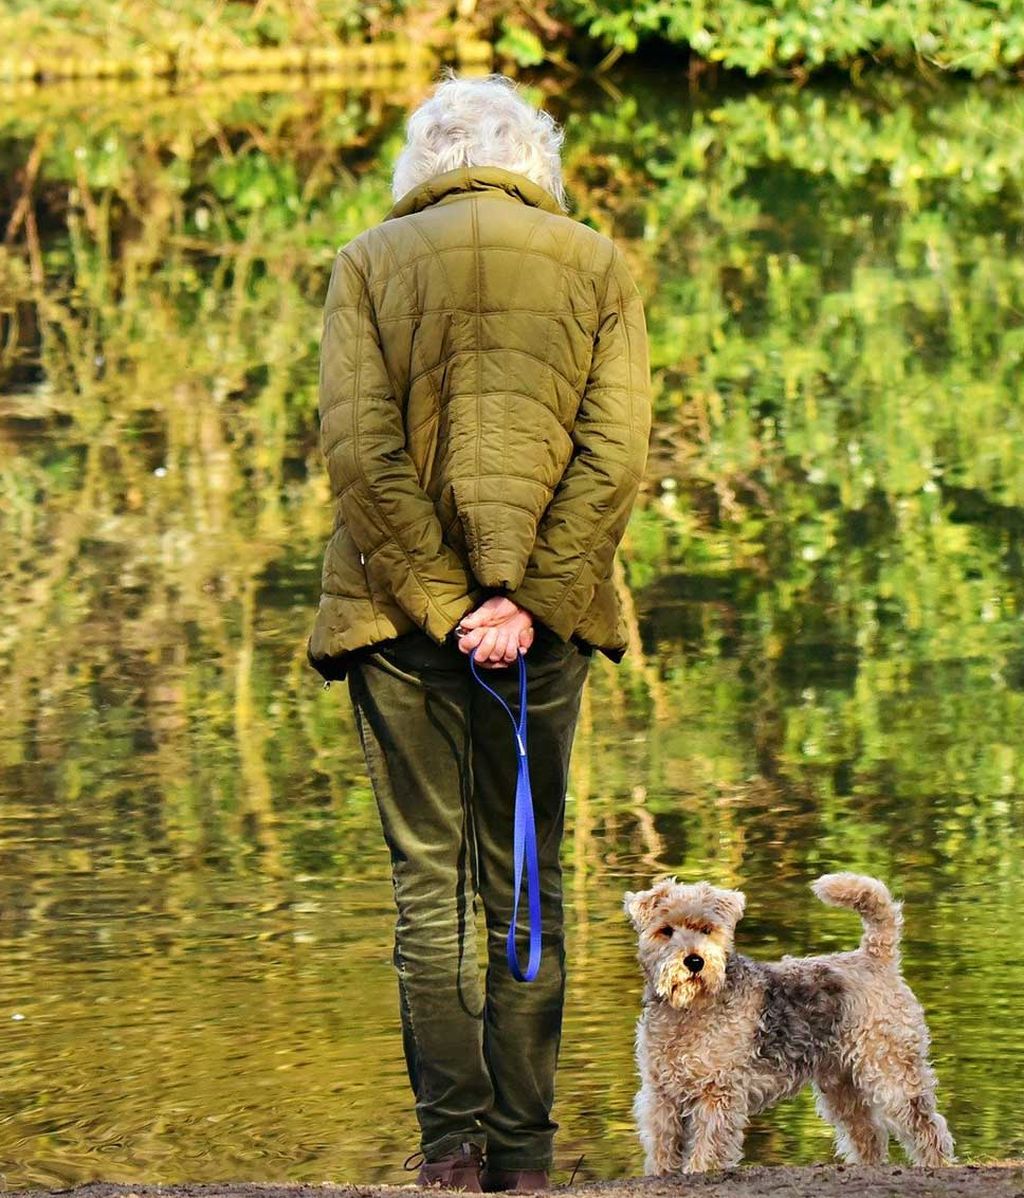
x: 466, y: 179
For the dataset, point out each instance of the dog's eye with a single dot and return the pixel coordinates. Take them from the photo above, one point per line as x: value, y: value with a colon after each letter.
x: 666, y: 931
x: 706, y: 930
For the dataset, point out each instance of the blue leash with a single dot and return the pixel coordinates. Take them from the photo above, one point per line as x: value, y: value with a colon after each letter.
x: 524, y: 839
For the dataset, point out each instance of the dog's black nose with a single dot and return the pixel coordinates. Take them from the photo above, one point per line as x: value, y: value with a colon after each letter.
x: 694, y: 963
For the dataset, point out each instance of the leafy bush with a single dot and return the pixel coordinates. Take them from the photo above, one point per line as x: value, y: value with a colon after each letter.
x: 755, y: 37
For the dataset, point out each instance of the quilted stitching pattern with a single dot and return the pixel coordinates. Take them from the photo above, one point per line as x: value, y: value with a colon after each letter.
x: 484, y: 416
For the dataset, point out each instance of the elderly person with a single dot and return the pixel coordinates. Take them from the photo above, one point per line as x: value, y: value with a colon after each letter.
x: 485, y: 412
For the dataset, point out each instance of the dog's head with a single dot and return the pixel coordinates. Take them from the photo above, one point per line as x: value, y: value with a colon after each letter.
x: 685, y: 936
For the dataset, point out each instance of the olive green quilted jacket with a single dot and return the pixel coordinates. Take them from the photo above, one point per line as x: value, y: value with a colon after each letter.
x: 484, y: 415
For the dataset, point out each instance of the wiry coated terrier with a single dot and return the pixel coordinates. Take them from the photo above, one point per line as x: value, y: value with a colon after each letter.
x: 723, y: 1037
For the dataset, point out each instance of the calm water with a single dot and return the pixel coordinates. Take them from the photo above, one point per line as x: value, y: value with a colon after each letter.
x: 195, y: 908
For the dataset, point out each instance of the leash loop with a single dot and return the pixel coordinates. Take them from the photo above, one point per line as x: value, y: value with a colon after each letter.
x: 524, y: 837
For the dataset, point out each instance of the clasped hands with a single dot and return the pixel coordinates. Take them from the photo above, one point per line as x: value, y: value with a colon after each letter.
x: 497, y: 630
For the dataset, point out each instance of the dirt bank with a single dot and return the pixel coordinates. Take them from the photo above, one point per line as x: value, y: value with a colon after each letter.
x: 825, y: 1181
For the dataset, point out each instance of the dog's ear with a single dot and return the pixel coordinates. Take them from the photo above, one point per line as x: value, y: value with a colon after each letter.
x: 639, y: 906
x: 732, y: 904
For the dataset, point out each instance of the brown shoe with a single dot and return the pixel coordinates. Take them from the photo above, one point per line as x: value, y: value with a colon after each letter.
x: 521, y: 1180
x: 456, y: 1171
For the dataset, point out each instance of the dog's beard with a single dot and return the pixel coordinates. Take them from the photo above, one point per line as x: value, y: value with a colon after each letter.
x: 674, y: 983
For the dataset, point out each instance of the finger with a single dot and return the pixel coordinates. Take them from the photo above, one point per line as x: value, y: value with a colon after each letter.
x: 486, y: 646
x: 475, y: 636
x: 525, y: 625
x: 472, y: 638
x: 512, y: 644
x: 491, y: 611
x: 481, y: 616
x: 505, y: 636
x: 497, y: 636
x: 514, y: 634
x: 479, y: 619
x: 500, y: 651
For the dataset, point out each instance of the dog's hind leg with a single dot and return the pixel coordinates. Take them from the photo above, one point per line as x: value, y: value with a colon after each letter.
x: 861, y: 1135
x: 920, y: 1128
x: 896, y: 1072
x: 663, y: 1130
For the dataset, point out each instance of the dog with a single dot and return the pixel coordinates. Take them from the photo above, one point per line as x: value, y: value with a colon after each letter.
x: 722, y: 1037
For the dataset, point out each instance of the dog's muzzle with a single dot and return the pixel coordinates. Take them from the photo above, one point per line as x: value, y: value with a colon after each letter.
x: 677, y: 982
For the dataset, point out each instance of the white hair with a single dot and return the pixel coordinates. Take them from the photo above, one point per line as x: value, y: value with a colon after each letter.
x: 480, y: 121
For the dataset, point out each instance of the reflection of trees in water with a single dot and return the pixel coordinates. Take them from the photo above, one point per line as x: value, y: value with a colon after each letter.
x: 824, y: 577
x: 825, y: 402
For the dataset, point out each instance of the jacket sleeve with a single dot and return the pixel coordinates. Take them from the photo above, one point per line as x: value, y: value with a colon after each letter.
x: 578, y: 534
x: 381, y: 503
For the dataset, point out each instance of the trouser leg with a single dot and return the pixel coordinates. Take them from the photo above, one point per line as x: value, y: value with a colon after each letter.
x: 411, y: 703
x: 523, y: 1020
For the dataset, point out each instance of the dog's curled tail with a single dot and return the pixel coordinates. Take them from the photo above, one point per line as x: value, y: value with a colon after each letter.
x: 870, y: 898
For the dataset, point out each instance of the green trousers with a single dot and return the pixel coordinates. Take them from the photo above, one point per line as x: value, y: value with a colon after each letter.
x: 440, y: 752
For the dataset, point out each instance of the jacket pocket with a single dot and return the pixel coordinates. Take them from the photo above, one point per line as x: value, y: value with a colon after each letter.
x: 344, y: 571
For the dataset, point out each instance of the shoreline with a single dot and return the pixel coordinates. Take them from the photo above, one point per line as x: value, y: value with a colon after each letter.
x: 1004, y: 1179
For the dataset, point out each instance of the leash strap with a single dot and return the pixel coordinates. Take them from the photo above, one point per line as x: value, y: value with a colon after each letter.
x: 524, y: 839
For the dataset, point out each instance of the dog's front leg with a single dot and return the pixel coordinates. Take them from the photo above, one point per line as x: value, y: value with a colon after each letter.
x: 662, y: 1129
x: 719, y: 1119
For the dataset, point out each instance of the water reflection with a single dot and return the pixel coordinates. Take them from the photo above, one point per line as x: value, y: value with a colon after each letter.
x: 825, y: 573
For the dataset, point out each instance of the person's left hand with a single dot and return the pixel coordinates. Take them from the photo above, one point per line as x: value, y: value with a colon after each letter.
x: 497, y: 630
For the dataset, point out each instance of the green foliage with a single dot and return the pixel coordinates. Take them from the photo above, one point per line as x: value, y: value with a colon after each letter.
x: 759, y: 38
x: 255, y: 182
x: 519, y: 43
